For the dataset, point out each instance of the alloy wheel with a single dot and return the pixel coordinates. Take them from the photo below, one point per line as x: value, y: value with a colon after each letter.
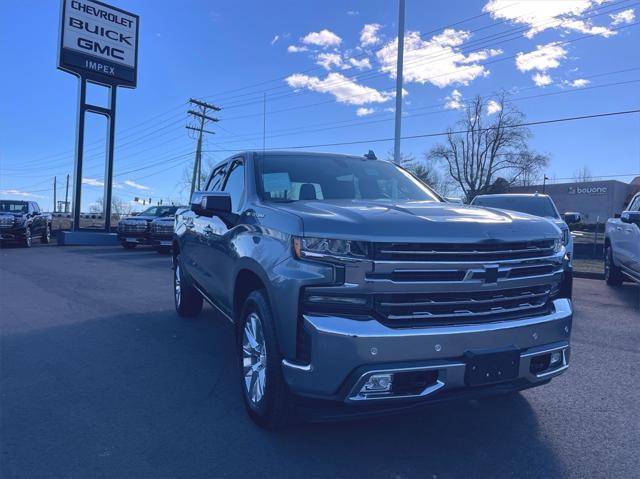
x: 28, y: 237
x: 176, y: 285
x: 607, y: 264
x: 254, y: 358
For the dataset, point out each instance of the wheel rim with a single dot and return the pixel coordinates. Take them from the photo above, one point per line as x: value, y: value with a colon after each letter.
x: 254, y: 359
x: 28, y: 235
x: 47, y: 234
x: 607, y: 264
x: 176, y: 285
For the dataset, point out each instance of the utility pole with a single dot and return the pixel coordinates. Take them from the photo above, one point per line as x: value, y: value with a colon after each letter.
x: 54, y: 193
x: 66, y: 196
x: 399, y: 71
x: 199, y: 113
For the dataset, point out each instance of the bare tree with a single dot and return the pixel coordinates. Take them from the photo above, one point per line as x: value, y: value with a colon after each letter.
x: 426, y: 171
x: 483, y: 147
x: 582, y: 175
x: 119, y: 207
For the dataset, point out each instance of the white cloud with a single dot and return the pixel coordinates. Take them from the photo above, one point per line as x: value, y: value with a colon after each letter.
x: 364, y: 111
x: 437, y: 61
x: 493, y: 107
x: 353, y: 12
x: 543, y: 58
x: 454, y: 101
x: 19, y: 193
x: 551, y: 14
x: 369, y: 35
x: 135, y: 185
x: 296, y: 49
x: 363, y: 64
x: 342, y: 88
x: 329, y: 60
x: 323, y: 38
x: 625, y: 16
x: 577, y: 83
x: 92, y: 182
x: 542, y: 79
x: 390, y: 109
x: 275, y: 39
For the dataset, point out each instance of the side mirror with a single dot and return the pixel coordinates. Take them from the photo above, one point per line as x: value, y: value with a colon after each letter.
x: 632, y: 217
x: 207, y: 203
x: 572, y: 218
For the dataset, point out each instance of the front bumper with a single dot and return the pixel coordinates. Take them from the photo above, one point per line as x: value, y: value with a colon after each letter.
x: 137, y: 238
x: 13, y: 233
x: 159, y: 239
x: 345, y: 352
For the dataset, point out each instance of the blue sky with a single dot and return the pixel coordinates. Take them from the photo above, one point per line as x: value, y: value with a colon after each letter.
x: 327, y: 69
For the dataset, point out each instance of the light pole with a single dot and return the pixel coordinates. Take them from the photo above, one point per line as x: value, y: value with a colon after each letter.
x: 399, y: 68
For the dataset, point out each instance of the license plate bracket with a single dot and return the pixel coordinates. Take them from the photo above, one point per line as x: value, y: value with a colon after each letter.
x: 494, y: 366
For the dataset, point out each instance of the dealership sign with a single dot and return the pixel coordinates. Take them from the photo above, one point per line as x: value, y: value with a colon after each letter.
x: 588, y: 190
x: 99, y: 42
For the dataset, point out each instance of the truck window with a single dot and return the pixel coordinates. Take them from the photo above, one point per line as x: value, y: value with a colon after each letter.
x: 216, y: 178
x: 234, y: 184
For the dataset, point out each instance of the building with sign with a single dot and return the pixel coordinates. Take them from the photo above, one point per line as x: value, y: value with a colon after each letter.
x: 595, y: 200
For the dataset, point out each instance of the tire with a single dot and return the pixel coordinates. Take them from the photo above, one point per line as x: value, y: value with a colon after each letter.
x: 187, y: 299
x: 129, y: 245
x: 264, y: 391
x: 46, y: 236
x: 27, y: 241
x: 612, y: 274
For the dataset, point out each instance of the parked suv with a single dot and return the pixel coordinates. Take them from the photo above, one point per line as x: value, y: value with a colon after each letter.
x: 161, y: 233
x: 22, y: 221
x: 355, y: 289
x: 135, y: 230
x: 538, y: 205
x: 622, y: 245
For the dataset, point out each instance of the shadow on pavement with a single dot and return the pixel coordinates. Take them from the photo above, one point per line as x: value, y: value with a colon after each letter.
x: 151, y: 395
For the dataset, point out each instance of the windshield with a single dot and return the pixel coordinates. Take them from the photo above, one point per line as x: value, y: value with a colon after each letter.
x: 294, y: 178
x: 532, y: 205
x: 160, y: 211
x: 14, y: 206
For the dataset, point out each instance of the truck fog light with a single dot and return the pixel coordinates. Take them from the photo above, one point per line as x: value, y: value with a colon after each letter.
x: 378, y: 383
x: 556, y: 358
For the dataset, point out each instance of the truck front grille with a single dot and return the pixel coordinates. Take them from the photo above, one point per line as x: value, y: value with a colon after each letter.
x: 490, y: 251
x: 132, y: 228
x: 431, y: 309
x: 6, y: 221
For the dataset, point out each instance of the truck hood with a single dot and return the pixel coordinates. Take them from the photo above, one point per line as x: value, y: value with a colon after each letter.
x: 416, y: 222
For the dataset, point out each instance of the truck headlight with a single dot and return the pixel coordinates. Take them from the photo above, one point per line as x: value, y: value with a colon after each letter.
x: 326, y: 248
x: 18, y: 220
x: 565, y: 237
x: 557, y: 245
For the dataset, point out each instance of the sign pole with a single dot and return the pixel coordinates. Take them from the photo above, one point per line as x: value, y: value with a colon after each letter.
x: 108, y: 172
x: 77, y: 170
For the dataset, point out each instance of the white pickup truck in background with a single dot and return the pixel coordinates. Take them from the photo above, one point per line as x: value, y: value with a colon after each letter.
x: 622, y: 245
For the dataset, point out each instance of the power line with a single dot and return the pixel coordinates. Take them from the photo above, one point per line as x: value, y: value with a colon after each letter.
x: 429, y: 135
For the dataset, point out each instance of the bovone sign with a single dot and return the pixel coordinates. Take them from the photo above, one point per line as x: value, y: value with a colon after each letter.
x: 99, y: 42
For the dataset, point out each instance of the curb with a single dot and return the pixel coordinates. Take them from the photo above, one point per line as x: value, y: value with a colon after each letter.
x: 587, y: 275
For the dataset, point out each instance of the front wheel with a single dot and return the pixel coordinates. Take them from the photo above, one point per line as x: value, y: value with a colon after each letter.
x: 26, y: 242
x: 612, y: 274
x: 265, y: 393
x: 46, y: 236
x: 188, y: 300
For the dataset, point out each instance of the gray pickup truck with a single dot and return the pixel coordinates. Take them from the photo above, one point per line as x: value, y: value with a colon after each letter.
x: 622, y: 245
x: 354, y: 289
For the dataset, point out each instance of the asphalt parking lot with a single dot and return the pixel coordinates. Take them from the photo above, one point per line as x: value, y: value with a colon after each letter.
x: 100, y: 378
